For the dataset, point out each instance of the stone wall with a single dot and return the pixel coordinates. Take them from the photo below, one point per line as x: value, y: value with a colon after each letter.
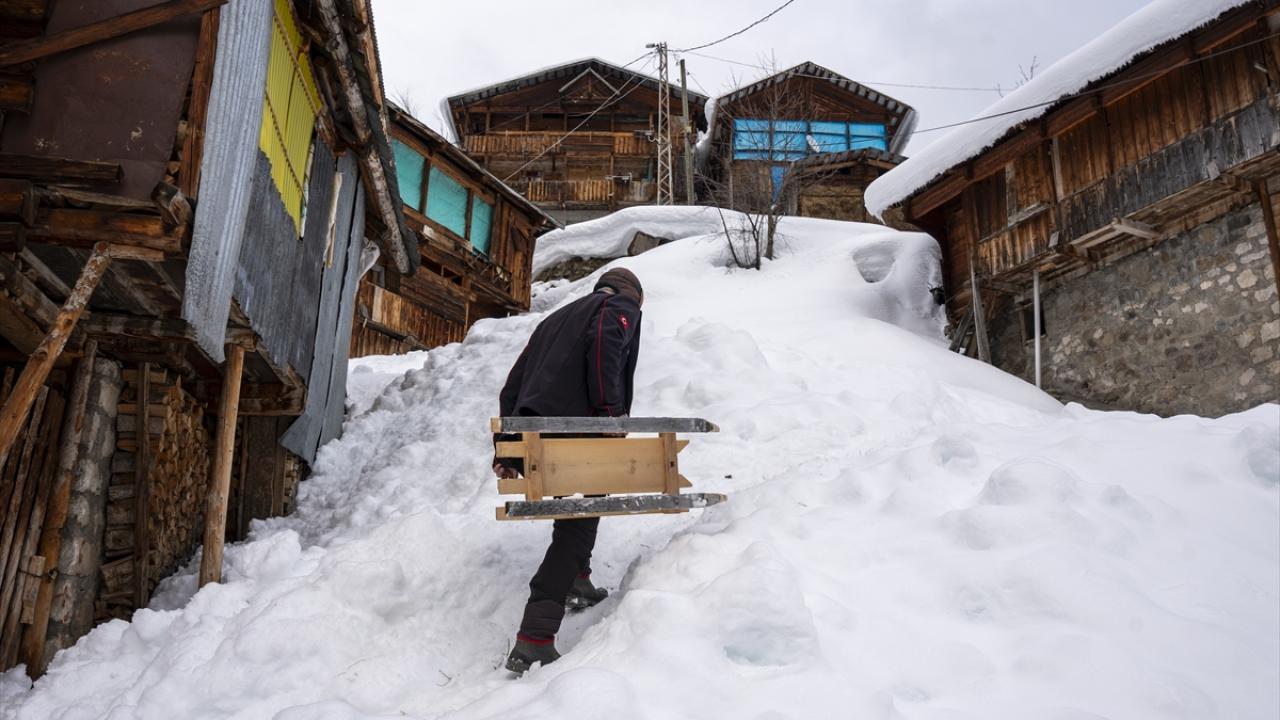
x: 1191, y: 325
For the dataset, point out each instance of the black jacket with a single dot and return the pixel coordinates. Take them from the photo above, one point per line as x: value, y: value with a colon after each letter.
x: 580, y: 361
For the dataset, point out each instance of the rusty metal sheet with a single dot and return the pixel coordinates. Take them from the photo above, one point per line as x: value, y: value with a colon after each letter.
x: 116, y: 101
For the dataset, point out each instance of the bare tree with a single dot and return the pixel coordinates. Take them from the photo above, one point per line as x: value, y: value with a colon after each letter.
x: 773, y: 122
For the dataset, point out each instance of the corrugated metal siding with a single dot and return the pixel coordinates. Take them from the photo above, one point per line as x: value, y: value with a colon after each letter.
x: 342, y: 330
x: 332, y: 337
x: 278, y: 276
x: 226, y: 172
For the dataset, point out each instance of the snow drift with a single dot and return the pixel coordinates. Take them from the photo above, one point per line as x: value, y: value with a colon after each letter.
x: 909, y: 534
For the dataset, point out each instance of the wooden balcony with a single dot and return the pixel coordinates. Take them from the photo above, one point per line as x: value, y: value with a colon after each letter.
x: 587, y: 192
x: 582, y: 143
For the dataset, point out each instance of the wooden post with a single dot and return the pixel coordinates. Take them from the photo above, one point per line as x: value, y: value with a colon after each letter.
x: 36, y: 371
x: 1273, y: 234
x: 141, y: 490
x: 215, y: 515
x: 59, y: 505
x: 979, y: 316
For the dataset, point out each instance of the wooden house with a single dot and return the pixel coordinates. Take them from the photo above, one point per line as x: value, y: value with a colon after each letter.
x: 520, y: 130
x: 805, y: 136
x: 475, y: 236
x: 186, y: 189
x: 1130, y: 191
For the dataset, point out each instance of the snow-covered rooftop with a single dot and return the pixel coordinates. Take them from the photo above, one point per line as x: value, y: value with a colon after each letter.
x: 1158, y: 22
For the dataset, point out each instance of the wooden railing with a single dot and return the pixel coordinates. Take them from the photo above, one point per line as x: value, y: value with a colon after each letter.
x: 596, y: 192
x: 533, y: 143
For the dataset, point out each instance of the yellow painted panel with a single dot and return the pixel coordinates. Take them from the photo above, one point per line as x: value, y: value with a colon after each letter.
x: 289, y: 111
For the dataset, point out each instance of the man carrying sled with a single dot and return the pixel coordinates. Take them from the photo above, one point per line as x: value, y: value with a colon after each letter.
x: 580, y: 362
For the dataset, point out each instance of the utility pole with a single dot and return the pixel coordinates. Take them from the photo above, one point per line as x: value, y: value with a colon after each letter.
x: 664, y: 194
x: 687, y: 133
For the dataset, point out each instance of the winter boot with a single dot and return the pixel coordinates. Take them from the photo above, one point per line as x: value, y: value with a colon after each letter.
x: 583, y: 594
x: 530, y: 650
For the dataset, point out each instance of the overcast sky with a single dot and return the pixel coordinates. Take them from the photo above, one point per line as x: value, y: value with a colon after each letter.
x: 431, y: 50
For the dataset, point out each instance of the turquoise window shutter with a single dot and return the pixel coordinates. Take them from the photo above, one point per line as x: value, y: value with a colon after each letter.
x: 750, y: 139
x: 481, y: 222
x: 447, y: 202
x: 829, y: 137
x: 409, y: 165
x: 867, y: 135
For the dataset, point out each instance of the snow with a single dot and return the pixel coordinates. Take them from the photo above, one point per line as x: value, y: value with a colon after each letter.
x: 611, y: 235
x: 1156, y: 23
x: 909, y: 534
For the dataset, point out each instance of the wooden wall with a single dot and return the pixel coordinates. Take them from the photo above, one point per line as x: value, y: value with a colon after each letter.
x: 1167, y: 139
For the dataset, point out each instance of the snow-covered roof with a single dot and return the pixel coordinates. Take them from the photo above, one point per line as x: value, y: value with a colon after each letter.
x: 1157, y: 23
x: 567, y: 70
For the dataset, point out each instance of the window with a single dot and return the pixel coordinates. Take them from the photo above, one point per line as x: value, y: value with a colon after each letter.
x: 409, y: 167
x: 1028, y: 315
x: 290, y: 107
x: 755, y: 139
x: 447, y: 202
x: 481, y: 219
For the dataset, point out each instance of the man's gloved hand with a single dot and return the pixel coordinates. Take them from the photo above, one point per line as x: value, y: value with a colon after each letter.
x: 621, y: 434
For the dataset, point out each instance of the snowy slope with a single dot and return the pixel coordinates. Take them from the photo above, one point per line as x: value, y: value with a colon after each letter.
x: 910, y: 534
x: 611, y: 235
x: 1158, y: 22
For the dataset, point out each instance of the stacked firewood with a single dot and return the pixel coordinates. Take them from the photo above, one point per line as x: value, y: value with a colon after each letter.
x: 170, y: 486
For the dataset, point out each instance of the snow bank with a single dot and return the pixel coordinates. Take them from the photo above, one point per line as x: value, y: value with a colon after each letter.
x: 1158, y: 22
x: 610, y: 236
x: 909, y: 534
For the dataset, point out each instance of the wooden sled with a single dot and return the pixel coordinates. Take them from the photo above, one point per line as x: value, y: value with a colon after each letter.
x: 620, y: 475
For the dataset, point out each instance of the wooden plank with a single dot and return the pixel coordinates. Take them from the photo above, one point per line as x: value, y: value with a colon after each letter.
x: 41, y: 169
x: 670, y: 472
x: 16, y: 92
x: 21, y: 331
x: 533, y: 466
x: 18, y: 201
x: 602, y: 425
x: 142, y: 487
x: 36, y: 371
x: 602, y: 466
x: 198, y: 105
x: 215, y: 521
x: 28, y: 50
x: 13, y: 237
x: 85, y: 228
x: 573, y: 508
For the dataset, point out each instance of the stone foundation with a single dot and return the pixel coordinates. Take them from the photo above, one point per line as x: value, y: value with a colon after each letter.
x: 1191, y: 325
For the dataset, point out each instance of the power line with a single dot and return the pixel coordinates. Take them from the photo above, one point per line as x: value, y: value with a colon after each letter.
x: 1094, y: 90
x: 863, y: 82
x: 618, y: 94
x: 735, y: 34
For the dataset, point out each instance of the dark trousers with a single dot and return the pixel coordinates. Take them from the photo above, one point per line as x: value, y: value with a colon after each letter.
x: 568, y: 557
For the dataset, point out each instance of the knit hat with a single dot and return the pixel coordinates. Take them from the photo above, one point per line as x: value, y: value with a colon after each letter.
x: 623, y: 282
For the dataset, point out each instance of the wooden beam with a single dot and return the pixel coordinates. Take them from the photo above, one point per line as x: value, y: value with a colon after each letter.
x: 62, y: 171
x: 21, y: 331
x: 1273, y: 234
x: 114, y: 27
x: 16, y: 92
x: 1137, y: 229
x: 198, y: 106
x: 36, y: 371
x: 215, y: 518
x: 85, y: 228
x: 18, y: 201
x: 271, y: 400
x: 13, y: 237
x: 50, y: 547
